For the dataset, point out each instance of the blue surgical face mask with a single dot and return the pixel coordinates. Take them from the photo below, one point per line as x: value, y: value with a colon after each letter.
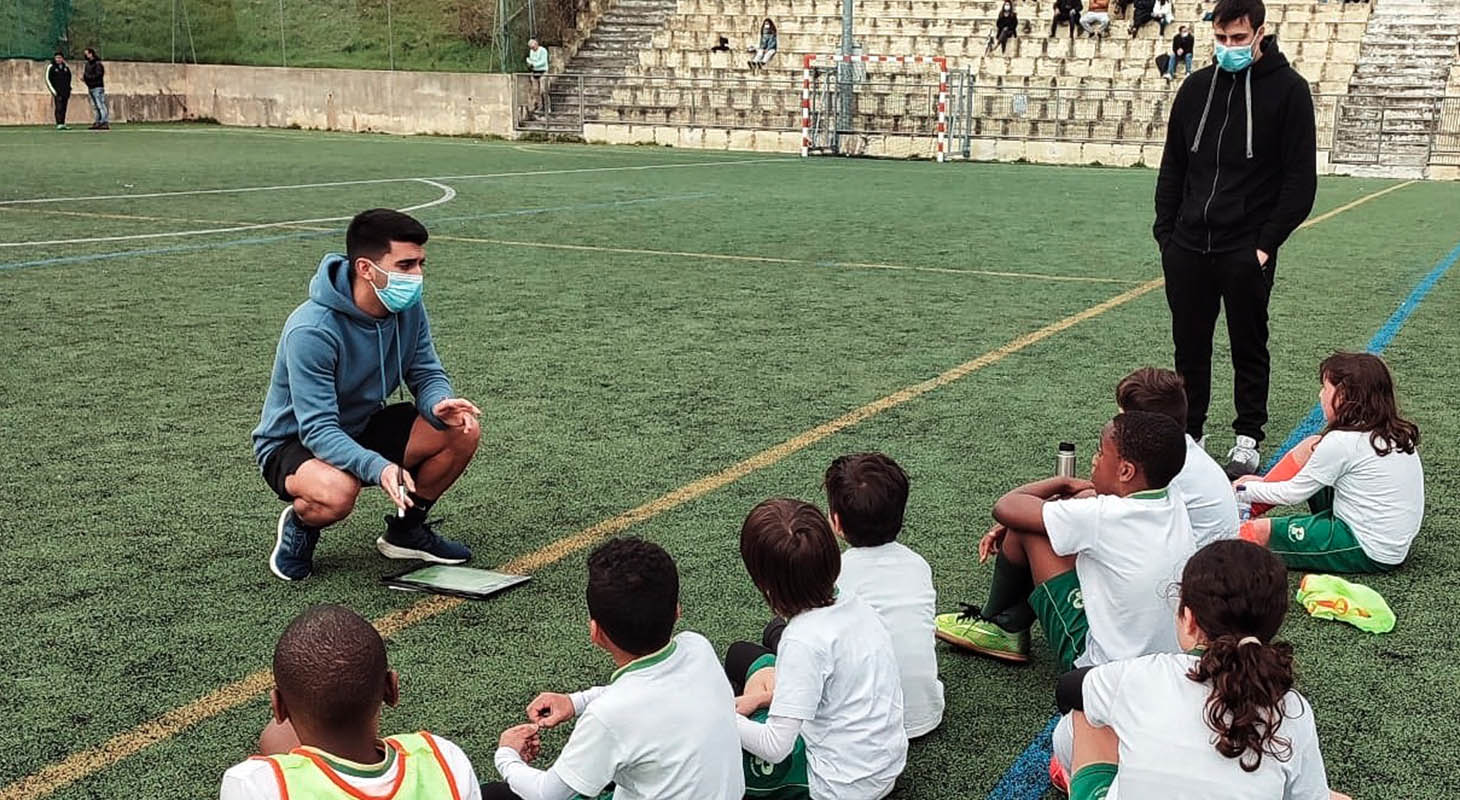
x: 1236, y: 59
x: 402, y: 290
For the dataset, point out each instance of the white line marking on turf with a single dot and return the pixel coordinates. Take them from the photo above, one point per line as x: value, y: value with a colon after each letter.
x: 371, y: 181
x: 447, y: 195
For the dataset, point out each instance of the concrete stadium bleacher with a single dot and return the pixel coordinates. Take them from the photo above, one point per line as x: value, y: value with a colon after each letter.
x: 1045, y: 90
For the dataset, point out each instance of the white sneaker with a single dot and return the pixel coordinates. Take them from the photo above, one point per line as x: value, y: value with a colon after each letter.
x: 1243, y: 459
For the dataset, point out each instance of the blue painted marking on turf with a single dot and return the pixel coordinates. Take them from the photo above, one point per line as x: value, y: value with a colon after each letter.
x: 1386, y: 333
x: 1028, y: 777
x: 189, y: 248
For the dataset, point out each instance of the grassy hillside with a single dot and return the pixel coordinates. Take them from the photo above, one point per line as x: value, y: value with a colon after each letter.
x: 452, y: 35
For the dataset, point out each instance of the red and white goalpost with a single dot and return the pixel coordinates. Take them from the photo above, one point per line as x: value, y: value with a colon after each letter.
x: 819, y: 99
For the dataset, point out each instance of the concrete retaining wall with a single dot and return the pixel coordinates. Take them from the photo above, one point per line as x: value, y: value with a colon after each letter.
x: 327, y: 99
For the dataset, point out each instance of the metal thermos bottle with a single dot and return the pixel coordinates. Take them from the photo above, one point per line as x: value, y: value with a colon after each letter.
x: 1064, y: 460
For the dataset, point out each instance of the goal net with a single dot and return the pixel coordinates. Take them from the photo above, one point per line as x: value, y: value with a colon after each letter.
x: 864, y: 105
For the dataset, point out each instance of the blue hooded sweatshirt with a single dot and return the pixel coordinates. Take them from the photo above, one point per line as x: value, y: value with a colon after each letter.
x: 336, y: 366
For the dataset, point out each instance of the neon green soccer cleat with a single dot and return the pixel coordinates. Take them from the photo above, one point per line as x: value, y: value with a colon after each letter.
x: 969, y: 630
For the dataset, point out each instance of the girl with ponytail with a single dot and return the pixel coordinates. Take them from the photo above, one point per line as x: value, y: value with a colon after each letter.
x: 1219, y: 722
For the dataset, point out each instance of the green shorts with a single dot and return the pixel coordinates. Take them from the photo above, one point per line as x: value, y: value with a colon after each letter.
x: 1060, y: 606
x: 1092, y: 782
x: 784, y: 781
x: 1320, y: 542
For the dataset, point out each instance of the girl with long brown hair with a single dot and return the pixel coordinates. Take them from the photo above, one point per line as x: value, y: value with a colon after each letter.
x: 1361, y: 476
x: 1218, y: 722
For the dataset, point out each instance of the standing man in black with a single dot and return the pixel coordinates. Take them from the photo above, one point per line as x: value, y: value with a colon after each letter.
x: 58, y: 80
x: 1238, y: 176
x: 94, y: 76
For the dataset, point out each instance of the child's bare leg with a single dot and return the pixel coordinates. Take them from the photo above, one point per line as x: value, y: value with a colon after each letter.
x: 1093, y: 745
x: 278, y: 738
x: 1257, y: 531
x: 1034, y: 550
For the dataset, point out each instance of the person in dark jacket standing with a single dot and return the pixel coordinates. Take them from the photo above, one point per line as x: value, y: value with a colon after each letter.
x: 93, y: 75
x: 1238, y: 176
x: 58, y: 80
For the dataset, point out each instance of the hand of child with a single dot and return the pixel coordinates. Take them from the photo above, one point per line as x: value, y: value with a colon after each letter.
x: 524, y: 739
x: 550, y: 709
x: 989, y: 545
x: 747, y: 704
x: 1246, y: 479
x: 1076, y: 486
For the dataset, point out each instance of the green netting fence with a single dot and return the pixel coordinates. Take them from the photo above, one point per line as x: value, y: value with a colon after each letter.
x: 451, y: 35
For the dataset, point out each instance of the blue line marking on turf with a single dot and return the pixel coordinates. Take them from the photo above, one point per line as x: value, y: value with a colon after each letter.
x: 189, y: 248
x: 1028, y: 777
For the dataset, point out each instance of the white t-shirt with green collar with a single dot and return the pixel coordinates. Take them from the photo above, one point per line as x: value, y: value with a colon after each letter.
x: 1129, y: 553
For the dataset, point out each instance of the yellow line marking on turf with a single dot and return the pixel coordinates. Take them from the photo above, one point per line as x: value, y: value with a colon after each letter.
x: 84, y: 763
x: 1366, y: 198
x: 778, y: 260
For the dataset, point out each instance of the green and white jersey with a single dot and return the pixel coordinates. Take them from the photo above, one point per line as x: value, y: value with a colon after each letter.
x: 1382, y: 498
x: 663, y: 728
x: 1128, y: 552
x: 1166, y: 748
x: 414, y: 767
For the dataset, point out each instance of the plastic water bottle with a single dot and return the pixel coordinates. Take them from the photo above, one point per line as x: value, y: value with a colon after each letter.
x: 1244, y: 505
x: 1064, y: 460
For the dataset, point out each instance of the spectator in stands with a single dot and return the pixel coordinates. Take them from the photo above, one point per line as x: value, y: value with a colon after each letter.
x: 1181, y: 48
x: 1006, y: 27
x: 58, y: 80
x: 767, y: 49
x: 1238, y: 176
x: 1067, y: 12
x: 1144, y: 9
x: 722, y: 47
x: 1163, y: 13
x: 1096, y: 21
x: 537, y: 61
x: 92, y: 75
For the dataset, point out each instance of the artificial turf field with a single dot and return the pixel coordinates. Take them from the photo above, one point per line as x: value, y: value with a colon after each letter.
x: 658, y: 339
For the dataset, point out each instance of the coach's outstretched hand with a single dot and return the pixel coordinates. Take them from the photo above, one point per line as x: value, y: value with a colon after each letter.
x: 550, y: 709
x: 458, y: 412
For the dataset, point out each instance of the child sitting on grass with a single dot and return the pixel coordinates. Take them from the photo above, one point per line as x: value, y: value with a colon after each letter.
x: 866, y: 494
x: 1202, y: 484
x: 1361, y: 477
x: 330, y: 681
x: 1218, y: 722
x: 1091, y: 569
x: 836, y: 681
x: 663, y: 727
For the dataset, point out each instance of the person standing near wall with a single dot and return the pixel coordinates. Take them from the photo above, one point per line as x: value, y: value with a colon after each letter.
x: 1238, y: 176
x: 537, y: 61
x: 58, y: 80
x: 93, y: 75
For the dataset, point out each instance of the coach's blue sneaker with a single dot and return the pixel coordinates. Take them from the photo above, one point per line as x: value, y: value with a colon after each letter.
x: 293, y: 556
x: 421, y: 542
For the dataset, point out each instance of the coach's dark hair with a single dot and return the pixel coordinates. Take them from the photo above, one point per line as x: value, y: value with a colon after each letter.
x: 329, y: 665
x: 791, y: 555
x: 1154, y: 442
x: 371, y: 232
x: 633, y: 594
x: 1366, y: 402
x: 1236, y: 590
x: 868, y: 494
x: 1225, y: 12
x: 1153, y: 389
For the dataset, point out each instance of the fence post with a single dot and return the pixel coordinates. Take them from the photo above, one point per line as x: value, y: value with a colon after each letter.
x: 1379, y: 147
x: 582, y: 102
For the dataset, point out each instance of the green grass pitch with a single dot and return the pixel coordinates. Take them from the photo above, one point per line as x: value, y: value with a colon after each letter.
x: 610, y: 373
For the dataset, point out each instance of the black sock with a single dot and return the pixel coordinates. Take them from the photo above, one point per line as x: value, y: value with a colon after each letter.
x: 416, y: 514
x: 1009, y: 595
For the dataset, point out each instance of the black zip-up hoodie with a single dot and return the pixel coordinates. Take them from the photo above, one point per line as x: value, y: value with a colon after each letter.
x: 93, y: 74
x: 1240, y: 165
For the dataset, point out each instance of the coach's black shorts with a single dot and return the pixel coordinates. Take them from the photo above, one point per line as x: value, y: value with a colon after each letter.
x: 387, y: 433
